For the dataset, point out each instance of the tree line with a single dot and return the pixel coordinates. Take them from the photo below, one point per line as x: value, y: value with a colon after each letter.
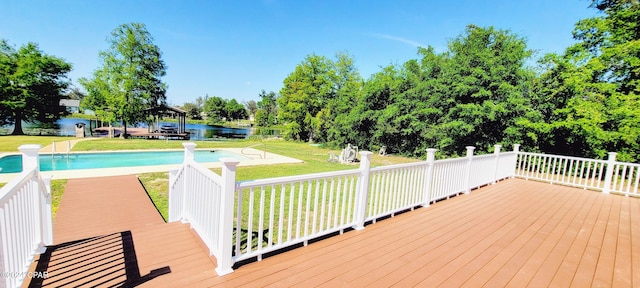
x: 483, y: 90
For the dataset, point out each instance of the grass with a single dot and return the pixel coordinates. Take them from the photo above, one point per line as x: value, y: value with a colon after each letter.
x: 10, y: 143
x: 156, y: 184
x: 57, y: 189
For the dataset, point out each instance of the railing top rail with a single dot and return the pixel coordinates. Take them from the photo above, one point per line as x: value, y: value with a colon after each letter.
x: 16, y: 182
x: 562, y: 157
x: 297, y: 178
x: 628, y: 164
x: 205, y: 171
x: 448, y: 160
x: 399, y: 166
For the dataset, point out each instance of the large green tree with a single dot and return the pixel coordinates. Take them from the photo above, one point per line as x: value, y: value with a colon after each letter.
x: 267, y: 108
x: 215, y: 108
x: 235, y: 111
x: 31, y: 85
x: 129, y: 79
x: 589, y: 95
x: 316, y: 97
x: 476, y: 93
x: 489, y: 85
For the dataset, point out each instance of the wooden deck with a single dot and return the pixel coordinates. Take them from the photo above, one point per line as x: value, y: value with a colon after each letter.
x: 516, y: 233
x: 108, y: 233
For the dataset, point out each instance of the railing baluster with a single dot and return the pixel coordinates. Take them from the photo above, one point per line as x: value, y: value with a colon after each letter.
x: 272, y: 204
x: 283, y: 193
x: 261, y: 220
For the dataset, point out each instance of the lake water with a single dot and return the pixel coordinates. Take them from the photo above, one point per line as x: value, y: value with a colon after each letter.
x: 67, y: 127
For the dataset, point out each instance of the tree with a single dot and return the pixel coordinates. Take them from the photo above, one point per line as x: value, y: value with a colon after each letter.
x: 488, y: 83
x: 235, y: 110
x: 269, y: 107
x: 31, y: 85
x: 129, y: 80
x: 590, y: 93
x: 75, y: 93
x: 369, y: 124
x: 215, y: 109
x: 305, y: 92
x: 192, y: 109
x: 252, y: 107
x: 316, y: 96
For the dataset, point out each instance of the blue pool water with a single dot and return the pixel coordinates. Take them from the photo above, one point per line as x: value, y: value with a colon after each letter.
x: 13, y: 163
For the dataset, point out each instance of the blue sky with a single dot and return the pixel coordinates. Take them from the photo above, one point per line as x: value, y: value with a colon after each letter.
x: 234, y: 49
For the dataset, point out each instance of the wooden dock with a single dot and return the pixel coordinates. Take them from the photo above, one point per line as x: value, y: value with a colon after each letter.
x: 143, y: 133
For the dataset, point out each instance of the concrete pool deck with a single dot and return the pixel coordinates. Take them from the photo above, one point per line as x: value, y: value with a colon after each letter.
x: 257, y: 157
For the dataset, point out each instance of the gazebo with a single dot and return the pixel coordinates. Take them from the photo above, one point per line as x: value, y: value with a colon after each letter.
x: 164, y: 111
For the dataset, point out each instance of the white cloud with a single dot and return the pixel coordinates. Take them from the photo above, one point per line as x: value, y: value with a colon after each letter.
x: 399, y: 39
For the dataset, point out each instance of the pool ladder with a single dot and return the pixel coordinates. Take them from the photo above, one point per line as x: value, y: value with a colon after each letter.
x: 264, y: 153
x: 53, y: 149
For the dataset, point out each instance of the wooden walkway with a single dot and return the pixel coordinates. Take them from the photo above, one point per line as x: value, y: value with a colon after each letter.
x: 516, y: 233
x: 108, y: 233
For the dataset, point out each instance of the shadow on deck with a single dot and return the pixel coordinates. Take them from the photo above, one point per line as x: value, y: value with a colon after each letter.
x: 108, y: 233
x: 108, y: 260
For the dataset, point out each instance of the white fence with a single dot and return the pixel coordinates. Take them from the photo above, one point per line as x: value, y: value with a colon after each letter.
x: 205, y: 201
x: 608, y: 176
x: 25, y: 219
x: 249, y: 219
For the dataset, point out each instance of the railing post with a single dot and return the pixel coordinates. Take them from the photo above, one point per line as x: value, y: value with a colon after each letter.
x: 363, y: 190
x: 611, y: 163
x: 30, y: 162
x: 174, y: 215
x: 496, y: 152
x: 225, y: 242
x: 516, y: 151
x: 47, y: 219
x: 189, y: 156
x: 189, y: 151
x: 431, y: 160
x: 30, y: 157
x: 468, y: 172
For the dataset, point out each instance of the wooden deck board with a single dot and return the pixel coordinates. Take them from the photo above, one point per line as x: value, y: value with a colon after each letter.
x: 488, y: 245
x: 99, y: 206
x: 508, y: 260
x: 515, y: 233
x: 634, y: 235
x: 139, y: 247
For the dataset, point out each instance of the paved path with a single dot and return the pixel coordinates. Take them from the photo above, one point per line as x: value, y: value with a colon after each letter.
x: 62, y: 146
x: 108, y: 233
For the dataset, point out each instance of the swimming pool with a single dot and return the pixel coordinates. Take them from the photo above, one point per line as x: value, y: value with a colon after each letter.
x: 57, y: 162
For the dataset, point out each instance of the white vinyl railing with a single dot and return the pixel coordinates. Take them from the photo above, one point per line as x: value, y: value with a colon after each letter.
x: 275, y: 213
x: 205, y: 200
x: 249, y: 219
x: 396, y: 188
x: 608, y: 176
x: 25, y: 219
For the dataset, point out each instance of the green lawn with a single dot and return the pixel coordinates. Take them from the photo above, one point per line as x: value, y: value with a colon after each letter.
x: 10, y: 143
x: 156, y: 184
